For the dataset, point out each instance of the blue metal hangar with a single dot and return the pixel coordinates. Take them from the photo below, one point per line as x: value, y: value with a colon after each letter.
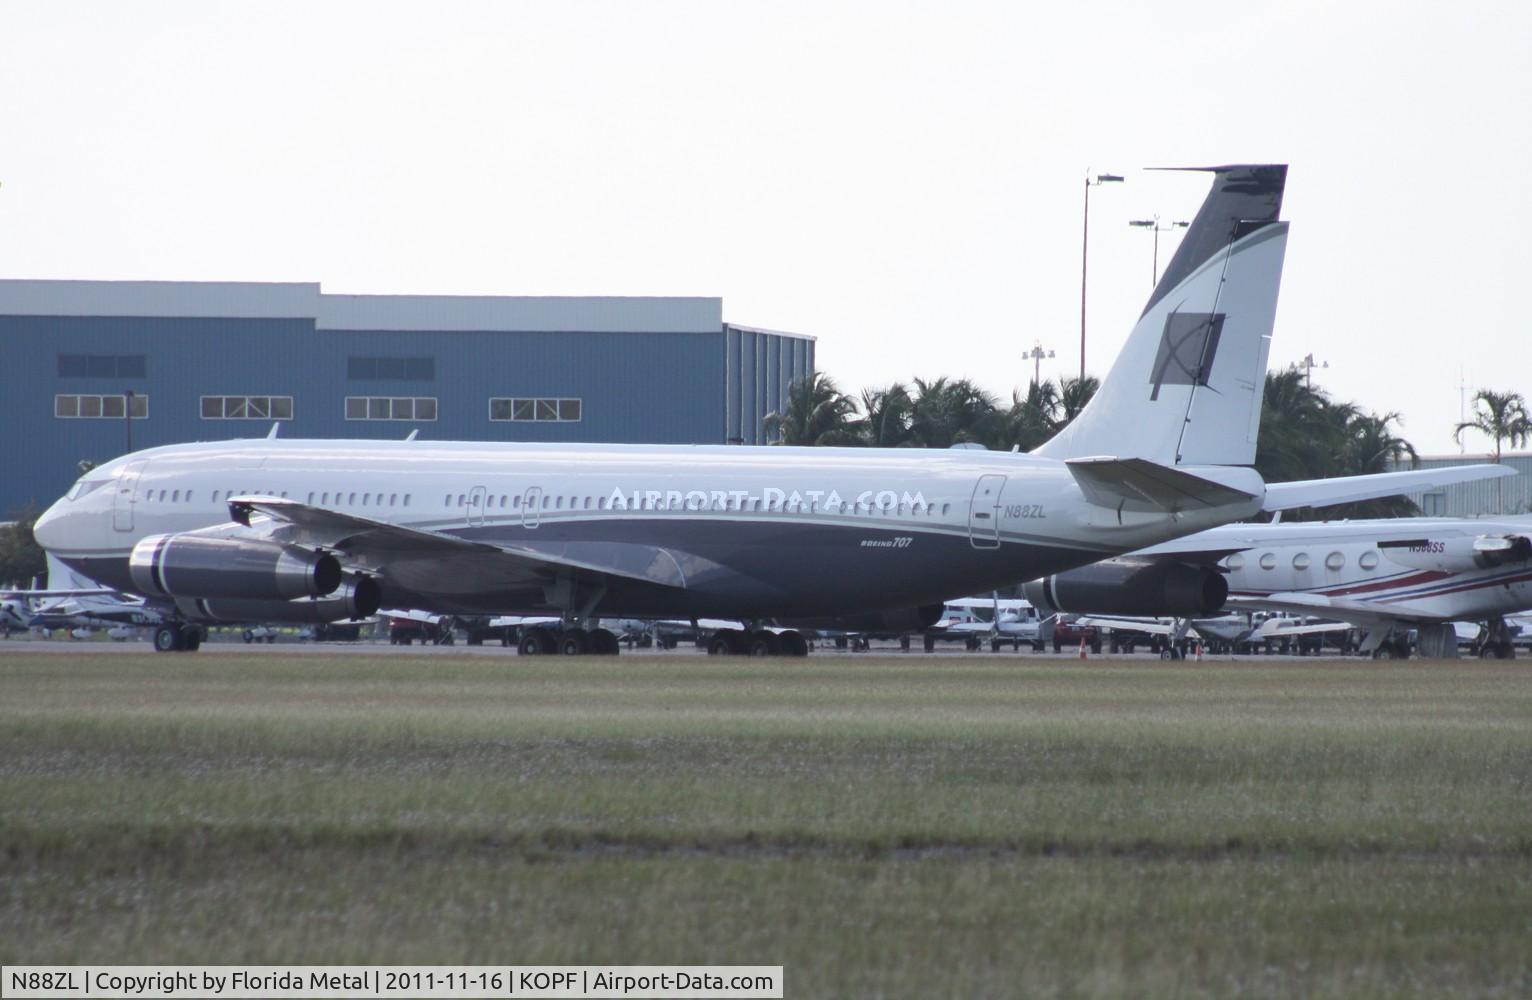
x: 201, y: 361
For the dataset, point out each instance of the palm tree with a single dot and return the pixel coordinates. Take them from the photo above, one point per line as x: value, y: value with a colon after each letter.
x: 947, y: 413
x: 817, y: 413
x: 1307, y: 435
x: 1074, y: 395
x: 1370, y: 447
x: 1296, y: 439
x: 888, y: 414
x: 1499, y: 416
x: 1033, y: 418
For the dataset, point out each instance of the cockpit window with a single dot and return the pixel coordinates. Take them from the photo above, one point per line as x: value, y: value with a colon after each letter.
x: 86, y: 486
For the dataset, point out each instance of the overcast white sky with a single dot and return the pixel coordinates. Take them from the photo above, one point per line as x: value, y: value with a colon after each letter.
x: 901, y: 180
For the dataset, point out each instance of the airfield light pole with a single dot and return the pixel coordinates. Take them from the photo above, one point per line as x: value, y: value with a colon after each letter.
x: 1153, y: 225
x: 1037, y: 354
x: 1099, y: 180
x: 1308, y: 364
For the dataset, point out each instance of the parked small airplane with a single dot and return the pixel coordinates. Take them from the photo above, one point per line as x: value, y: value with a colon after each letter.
x: 870, y: 539
x: 1382, y: 576
x: 72, y: 602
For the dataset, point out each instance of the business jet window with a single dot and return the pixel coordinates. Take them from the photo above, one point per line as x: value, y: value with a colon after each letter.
x: 390, y: 407
x: 1368, y: 560
x: 1268, y: 560
x: 93, y: 407
x: 1235, y: 563
x: 1335, y: 561
x: 534, y: 410
x: 1301, y: 561
x: 247, y: 407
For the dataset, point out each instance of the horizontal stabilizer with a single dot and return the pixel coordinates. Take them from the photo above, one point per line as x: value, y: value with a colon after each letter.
x: 1328, y: 492
x: 1137, y: 484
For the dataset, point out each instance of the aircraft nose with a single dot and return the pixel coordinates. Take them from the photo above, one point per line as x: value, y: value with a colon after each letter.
x: 46, y: 529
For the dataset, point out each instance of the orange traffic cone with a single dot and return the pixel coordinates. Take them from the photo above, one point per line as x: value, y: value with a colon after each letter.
x: 1082, y: 649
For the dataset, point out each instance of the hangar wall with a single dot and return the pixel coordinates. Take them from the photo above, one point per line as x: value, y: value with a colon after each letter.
x: 217, y: 360
x: 1485, y: 498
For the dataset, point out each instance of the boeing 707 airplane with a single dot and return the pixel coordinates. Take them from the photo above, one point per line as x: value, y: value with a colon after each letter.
x: 299, y: 531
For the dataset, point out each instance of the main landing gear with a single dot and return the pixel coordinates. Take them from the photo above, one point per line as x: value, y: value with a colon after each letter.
x: 174, y: 637
x: 545, y: 640
x: 757, y: 642
x: 1494, y: 642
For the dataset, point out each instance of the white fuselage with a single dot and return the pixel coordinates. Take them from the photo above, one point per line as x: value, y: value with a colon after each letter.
x: 750, y: 531
x: 1344, y: 562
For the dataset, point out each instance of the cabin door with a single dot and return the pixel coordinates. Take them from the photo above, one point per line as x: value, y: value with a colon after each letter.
x: 984, y: 513
x: 531, y: 507
x: 126, y: 496
x: 476, y: 502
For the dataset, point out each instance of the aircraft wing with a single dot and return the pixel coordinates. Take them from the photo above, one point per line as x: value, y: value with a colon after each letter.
x: 1276, y: 628
x: 435, y: 561
x: 1353, y: 611
x: 1148, y: 626
x: 83, y: 592
x: 1327, y: 492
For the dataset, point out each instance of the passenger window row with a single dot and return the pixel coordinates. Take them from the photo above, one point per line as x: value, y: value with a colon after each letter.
x: 508, y: 501
x: 348, y: 498
x: 1335, y: 561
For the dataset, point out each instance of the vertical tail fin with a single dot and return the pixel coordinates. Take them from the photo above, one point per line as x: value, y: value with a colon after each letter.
x: 1187, y: 386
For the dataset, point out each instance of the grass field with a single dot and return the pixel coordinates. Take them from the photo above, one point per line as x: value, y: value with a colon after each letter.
x: 891, y: 826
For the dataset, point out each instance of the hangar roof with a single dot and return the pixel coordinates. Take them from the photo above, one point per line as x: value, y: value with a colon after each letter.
x: 305, y: 300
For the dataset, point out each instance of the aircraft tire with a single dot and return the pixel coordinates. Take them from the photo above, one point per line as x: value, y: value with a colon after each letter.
x: 191, y: 640
x: 249, y: 637
x: 930, y: 643
x: 764, y: 643
x: 904, y: 643
x: 793, y: 644
x: 574, y: 643
x: 603, y: 642
x: 167, y: 639
x: 535, y: 642
x: 720, y: 645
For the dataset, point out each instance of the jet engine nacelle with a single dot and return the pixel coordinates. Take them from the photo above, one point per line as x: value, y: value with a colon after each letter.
x: 357, y: 597
x: 893, y: 622
x: 189, y: 565
x: 1142, y: 587
x: 1459, y: 555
